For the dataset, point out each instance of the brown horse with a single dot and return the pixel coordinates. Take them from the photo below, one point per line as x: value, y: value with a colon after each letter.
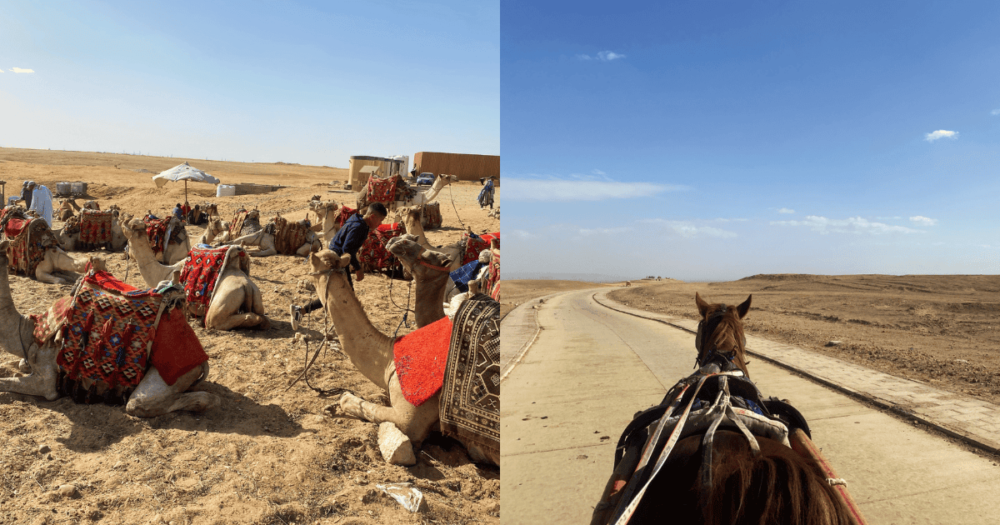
x: 707, y: 476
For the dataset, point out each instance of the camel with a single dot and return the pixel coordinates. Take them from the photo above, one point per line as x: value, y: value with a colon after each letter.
x: 236, y: 302
x: 371, y: 351
x: 264, y: 239
x: 172, y: 252
x: 70, y: 241
x: 410, y: 217
x: 327, y: 213
x: 427, y: 196
x: 429, y: 270
x: 55, y: 258
x: 217, y: 231
x: 151, y: 398
x: 66, y: 208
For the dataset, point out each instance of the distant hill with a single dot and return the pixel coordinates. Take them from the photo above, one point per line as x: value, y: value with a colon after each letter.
x: 555, y: 276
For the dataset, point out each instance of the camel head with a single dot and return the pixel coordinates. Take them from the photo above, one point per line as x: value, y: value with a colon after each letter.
x: 447, y: 179
x: 97, y: 263
x: 410, y: 252
x: 326, y: 260
x: 720, y: 332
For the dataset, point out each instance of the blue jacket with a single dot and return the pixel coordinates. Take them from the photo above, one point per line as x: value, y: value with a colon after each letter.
x: 178, y: 213
x: 350, y: 238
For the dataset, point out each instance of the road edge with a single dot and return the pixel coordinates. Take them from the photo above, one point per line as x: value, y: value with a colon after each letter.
x: 891, y: 407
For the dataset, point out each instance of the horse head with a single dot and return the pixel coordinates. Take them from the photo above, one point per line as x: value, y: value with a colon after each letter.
x: 720, y: 335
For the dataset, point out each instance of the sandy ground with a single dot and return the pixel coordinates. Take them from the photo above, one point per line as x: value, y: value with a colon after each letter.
x: 266, y: 456
x: 944, y: 330
x: 516, y: 292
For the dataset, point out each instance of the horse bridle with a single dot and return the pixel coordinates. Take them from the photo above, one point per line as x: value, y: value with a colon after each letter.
x: 707, y: 350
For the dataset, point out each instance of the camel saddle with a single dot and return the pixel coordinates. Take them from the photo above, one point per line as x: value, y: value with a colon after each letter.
x: 475, y: 244
x: 95, y: 227
x: 29, y: 239
x: 203, y: 271
x: 160, y: 233
x: 432, y: 218
x: 110, y: 333
x: 420, y: 358
x: 373, y: 255
x: 381, y: 190
x: 289, y: 236
x: 470, y: 395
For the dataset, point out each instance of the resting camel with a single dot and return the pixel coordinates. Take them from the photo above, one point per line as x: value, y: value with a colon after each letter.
x: 429, y: 270
x: 427, y: 196
x: 151, y: 398
x: 55, y: 258
x: 327, y: 213
x: 371, y: 351
x: 264, y: 239
x: 66, y: 208
x: 236, y: 302
x: 69, y: 241
x: 217, y: 231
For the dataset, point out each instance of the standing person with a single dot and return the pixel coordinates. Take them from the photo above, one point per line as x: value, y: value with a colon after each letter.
x: 348, y: 240
x: 486, y: 196
x: 41, y: 202
x: 26, y: 190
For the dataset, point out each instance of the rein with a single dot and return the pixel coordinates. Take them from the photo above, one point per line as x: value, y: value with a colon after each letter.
x: 432, y: 267
x: 326, y: 332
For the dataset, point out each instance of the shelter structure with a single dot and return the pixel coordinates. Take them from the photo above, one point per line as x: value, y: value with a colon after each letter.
x: 464, y: 166
x: 389, y: 167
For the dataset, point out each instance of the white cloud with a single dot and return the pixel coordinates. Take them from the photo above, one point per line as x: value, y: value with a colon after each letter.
x: 603, y: 231
x: 940, y: 134
x: 521, y: 234
x: 786, y: 210
x: 608, y: 56
x: 557, y: 190
x: 582, y: 57
x: 856, y: 225
x: 720, y: 219
x: 995, y: 112
x: 599, y: 172
x: 923, y: 221
x: 19, y: 70
x: 688, y: 229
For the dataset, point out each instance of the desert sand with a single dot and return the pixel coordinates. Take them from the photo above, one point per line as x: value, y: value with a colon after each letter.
x: 940, y: 329
x: 267, y: 456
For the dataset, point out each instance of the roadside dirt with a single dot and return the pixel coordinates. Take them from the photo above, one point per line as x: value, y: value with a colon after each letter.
x: 267, y: 456
x: 520, y: 291
x: 940, y: 329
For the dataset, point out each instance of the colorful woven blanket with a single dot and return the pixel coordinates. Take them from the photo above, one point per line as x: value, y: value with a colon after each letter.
x: 95, y: 226
x: 470, y: 396
x: 160, y: 233
x: 420, y: 358
x: 236, y: 226
x: 475, y: 244
x: 432, y: 216
x: 29, y: 240
x: 381, y: 190
x: 343, y: 214
x: 493, y: 279
x: 290, y: 236
x: 107, y: 330
x: 373, y: 254
x: 203, y: 271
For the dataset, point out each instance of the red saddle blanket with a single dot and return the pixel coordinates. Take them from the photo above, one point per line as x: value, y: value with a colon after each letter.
x: 373, y: 254
x: 95, y: 226
x: 381, y: 190
x: 475, y: 244
x: 158, y: 232
x: 110, y: 333
x: 343, y: 214
x: 29, y: 240
x: 421, y: 357
x: 203, y: 271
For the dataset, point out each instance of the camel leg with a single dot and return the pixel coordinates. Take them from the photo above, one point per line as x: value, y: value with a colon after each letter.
x: 223, y: 315
x: 153, y: 397
x: 264, y: 253
x: 415, y: 422
x: 257, y: 305
x: 40, y: 382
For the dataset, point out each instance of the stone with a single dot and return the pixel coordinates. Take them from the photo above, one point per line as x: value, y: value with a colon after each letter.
x: 44, y: 449
x: 833, y: 343
x: 68, y: 491
x: 396, y: 448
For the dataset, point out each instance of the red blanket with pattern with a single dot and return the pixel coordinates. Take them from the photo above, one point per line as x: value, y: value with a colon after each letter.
x: 343, y: 214
x: 432, y: 216
x: 107, y: 331
x: 95, y: 226
x: 381, y: 190
x: 203, y: 271
x: 475, y: 244
x: 373, y: 255
x: 29, y: 240
x: 156, y: 231
x: 421, y: 357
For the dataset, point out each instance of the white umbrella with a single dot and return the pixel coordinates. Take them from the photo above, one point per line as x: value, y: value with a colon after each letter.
x: 185, y: 173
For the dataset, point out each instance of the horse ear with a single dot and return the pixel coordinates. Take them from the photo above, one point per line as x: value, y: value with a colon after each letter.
x: 702, y: 305
x: 744, y: 308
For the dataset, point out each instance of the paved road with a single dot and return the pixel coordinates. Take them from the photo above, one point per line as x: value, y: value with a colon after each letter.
x: 591, y: 368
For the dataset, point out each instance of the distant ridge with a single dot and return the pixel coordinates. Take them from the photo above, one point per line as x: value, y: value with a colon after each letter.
x: 554, y: 276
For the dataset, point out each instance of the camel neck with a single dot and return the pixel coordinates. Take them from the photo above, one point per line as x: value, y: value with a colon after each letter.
x: 430, y: 296
x: 152, y: 271
x: 369, y: 349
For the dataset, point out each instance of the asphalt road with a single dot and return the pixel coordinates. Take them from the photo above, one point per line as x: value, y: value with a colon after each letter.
x: 590, y: 369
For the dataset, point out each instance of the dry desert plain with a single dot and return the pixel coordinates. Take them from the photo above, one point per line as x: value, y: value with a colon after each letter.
x: 266, y: 456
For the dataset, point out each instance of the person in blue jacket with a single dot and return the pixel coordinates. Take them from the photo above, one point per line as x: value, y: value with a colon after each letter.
x: 348, y: 240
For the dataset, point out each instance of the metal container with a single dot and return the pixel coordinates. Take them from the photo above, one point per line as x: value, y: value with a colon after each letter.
x: 79, y: 188
x: 63, y: 189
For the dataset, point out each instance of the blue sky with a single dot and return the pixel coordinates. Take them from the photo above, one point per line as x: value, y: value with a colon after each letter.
x: 306, y: 82
x: 716, y: 140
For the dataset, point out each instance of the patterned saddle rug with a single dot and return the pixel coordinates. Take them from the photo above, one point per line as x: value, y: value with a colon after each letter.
x: 470, y: 395
x: 420, y: 358
x: 381, y: 190
x: 29, y: 239
x: 475, y: 244
x: 373, y: 254
x: 493, y: 279
x: 343, y: 214
x: 161, y: 232
x: 110, y: 333
x: 290, y: 236
x: 432, y: 218
x: 95, y: 227
x: 203, y: 272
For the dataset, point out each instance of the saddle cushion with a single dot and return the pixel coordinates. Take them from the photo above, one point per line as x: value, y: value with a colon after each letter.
x: 289, y: 236
x: 30, y: 240
x: 176, y: 349
x: 420, y: 358
x: 432, y: 216
x: 236, y: 226
x: 381, y: 190
x: 373, y: 253
x: 95, y: 226
x: 475, y: 244
x: 343, y: 214
x: 159, y: 233
x: 203, y: 271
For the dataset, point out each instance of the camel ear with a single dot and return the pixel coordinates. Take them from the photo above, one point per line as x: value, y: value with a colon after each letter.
x: 317, y: 262
x: 702, y: 305
x: 744, y: 308
x: 345, y: 260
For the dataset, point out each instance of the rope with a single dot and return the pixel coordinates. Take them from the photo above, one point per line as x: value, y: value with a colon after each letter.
x: 452, y: 194
x: 309, y: 362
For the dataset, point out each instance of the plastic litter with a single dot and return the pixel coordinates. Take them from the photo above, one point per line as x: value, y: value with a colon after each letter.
x: 406, y: 494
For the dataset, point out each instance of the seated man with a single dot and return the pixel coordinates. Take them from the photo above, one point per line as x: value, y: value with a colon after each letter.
x: 348, y: 240
x: 196, y: 216
x: 179, y: 212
